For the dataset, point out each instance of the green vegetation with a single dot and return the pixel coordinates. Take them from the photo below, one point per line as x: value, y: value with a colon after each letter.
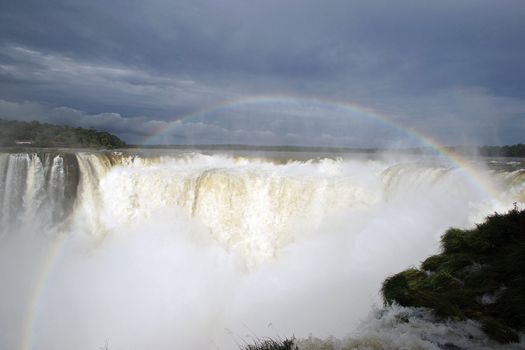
x: 504, y: 151
x: 272, y: 344
x: 35, y: 134
x: 517, y: 150
x: 480, y: 275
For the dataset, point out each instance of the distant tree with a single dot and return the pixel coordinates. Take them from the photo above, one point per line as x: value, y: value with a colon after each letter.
x: 49, y: 135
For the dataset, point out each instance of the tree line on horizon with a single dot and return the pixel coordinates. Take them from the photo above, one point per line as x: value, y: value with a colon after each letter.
x: 517, y: 150
x: 36, y: 134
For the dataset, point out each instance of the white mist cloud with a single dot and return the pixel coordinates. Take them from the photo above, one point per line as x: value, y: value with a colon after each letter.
x: 319, y: 236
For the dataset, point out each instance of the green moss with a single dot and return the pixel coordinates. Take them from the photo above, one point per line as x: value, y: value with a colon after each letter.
x: 439, y: 303
x: 442, y: 281
x: 395, y: 289
x: 458, y: 262
x: 499, y: 331
x: 487, y: 260
x: 434, y: 262
x: 510, y: 307
x: 456, y: 241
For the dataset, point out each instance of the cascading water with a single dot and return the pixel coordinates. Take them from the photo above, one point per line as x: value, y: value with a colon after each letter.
x: 36, y: 189
x: 202, y: 251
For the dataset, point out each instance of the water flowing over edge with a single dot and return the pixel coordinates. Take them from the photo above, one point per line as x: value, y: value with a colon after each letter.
x: 296, y: 232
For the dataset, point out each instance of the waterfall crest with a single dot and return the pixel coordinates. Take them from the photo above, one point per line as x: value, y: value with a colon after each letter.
x: 169, y: 250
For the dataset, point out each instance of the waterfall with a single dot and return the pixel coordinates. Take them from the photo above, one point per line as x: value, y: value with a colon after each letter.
x: 169, y: 250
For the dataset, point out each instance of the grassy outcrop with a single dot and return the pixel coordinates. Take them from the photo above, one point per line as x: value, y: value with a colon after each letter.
x: 272, y: 344
x: 480, y: 275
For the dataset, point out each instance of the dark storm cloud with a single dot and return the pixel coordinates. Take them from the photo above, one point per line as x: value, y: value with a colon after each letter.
x: 432, y: 65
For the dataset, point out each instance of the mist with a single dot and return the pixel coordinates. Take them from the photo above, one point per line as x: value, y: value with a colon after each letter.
x: 210, y: 251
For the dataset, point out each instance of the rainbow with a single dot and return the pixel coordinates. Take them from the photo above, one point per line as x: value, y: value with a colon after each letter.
x: 467, y: 169
x: 457, y: 161
x: 40, y: 286
x: 265, y: 101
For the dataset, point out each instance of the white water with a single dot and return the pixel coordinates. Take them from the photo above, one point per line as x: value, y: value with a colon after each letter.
x: 196, y: 251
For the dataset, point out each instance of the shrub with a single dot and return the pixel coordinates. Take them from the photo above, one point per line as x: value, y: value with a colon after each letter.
x: 272, y: 344
x: 488, y: 260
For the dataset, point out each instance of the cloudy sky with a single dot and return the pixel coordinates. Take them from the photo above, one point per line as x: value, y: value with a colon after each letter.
x: 338, y: 72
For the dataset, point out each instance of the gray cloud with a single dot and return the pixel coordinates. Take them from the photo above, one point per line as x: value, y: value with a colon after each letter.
x: 65, y: 79
x: 294, y: 121
x: 451, y: 69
